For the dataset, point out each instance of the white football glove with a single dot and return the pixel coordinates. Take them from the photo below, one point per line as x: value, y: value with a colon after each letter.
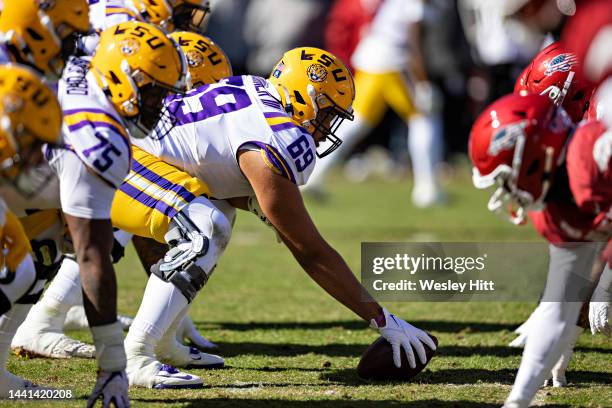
x: 255, y: 208
x: 112, y: 389
x: 523, y: 331
x: 401, y: 334
x: 599, y: 318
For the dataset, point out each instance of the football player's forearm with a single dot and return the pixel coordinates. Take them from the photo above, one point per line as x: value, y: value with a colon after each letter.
x: 332, y: 274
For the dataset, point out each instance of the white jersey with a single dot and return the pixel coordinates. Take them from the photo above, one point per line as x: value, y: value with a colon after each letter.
x: 214, y: 122
x: 102, y: 15
x: 92, y: 128
x: 385, y: 46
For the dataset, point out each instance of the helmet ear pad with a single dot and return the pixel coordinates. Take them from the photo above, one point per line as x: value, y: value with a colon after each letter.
x: 122, y: 90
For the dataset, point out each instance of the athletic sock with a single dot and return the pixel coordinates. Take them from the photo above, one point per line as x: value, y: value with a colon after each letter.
x: 110, y: 351
x: 161, y: 304
x: 9, y: 322
x: 544, y: 348
x: 425, y: 148
x: 65, y: 288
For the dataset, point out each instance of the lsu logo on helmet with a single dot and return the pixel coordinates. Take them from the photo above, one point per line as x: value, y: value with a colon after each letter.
x: 129, y: 47
x: 317, y: 73
x: 206, y: 61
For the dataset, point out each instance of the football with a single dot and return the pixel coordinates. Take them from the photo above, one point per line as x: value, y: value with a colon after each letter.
x: 377, y: 362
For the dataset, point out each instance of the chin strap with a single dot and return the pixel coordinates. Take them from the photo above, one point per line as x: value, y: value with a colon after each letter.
x: 288, y: 106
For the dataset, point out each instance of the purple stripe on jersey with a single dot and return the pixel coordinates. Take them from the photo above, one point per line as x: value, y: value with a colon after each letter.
x: 94, y: 124
x: 275, y: 115
x: 92, y: 110
x: 161, y: 182
x: 275, y: 158
x: 283, y: 126
x: 147, y: 200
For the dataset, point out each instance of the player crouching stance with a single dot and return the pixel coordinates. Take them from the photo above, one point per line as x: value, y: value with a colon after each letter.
x: 145, y: 204
x: 554, y: 72
x: 247, y: 136
x: 22, y: 97
x: 524, y: 146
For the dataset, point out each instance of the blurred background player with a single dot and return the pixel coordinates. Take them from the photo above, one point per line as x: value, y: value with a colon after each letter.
x: 522, y: 145
x: 389, y: 72
x: 190, y: 15
x: 41, y: 34
x: 22, y: 97
x: 586, y: 35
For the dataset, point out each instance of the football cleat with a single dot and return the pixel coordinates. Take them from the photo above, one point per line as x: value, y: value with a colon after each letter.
x: 169, y: 377
x: 143, y: 370
x: 426, y: 195
x: 171, y: 351
x: 50, y: 344
x: 149, y: 373
x: 187, y: 331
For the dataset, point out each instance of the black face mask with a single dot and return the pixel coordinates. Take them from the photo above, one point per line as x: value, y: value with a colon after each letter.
x: 151, y: 110
x: 187, y: 17
x: 334, y: 115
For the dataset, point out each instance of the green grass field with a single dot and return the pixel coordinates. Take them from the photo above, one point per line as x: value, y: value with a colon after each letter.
x: 287, y: 343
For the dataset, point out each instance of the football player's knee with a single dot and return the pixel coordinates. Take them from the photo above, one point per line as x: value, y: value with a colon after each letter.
x: 227, y: 209
x: 559, y: 317
x: 16, y: 284
x: 213, y: 222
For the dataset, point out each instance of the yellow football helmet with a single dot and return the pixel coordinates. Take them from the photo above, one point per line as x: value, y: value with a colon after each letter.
x: 41, y: 33
x: 30, y: 115
x: 207, y: 61
x: 318, y: 90
x: 174, y: 14
x: 137, y: 65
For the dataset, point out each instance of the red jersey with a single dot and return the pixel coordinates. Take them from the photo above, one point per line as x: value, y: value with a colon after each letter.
x: 346, y: 23
x: 588, y: 35
x: 589, y: 217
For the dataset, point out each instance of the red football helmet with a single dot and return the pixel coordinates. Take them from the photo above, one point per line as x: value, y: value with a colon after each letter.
x: 516, y: 144
x: 553, y: 72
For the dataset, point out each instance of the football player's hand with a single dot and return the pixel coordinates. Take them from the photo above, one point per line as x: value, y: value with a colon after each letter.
x: 403, y: 335
x: 427, y: 97
x: 255, y: 208
x: 111, y: 389
x: 599, y: 318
